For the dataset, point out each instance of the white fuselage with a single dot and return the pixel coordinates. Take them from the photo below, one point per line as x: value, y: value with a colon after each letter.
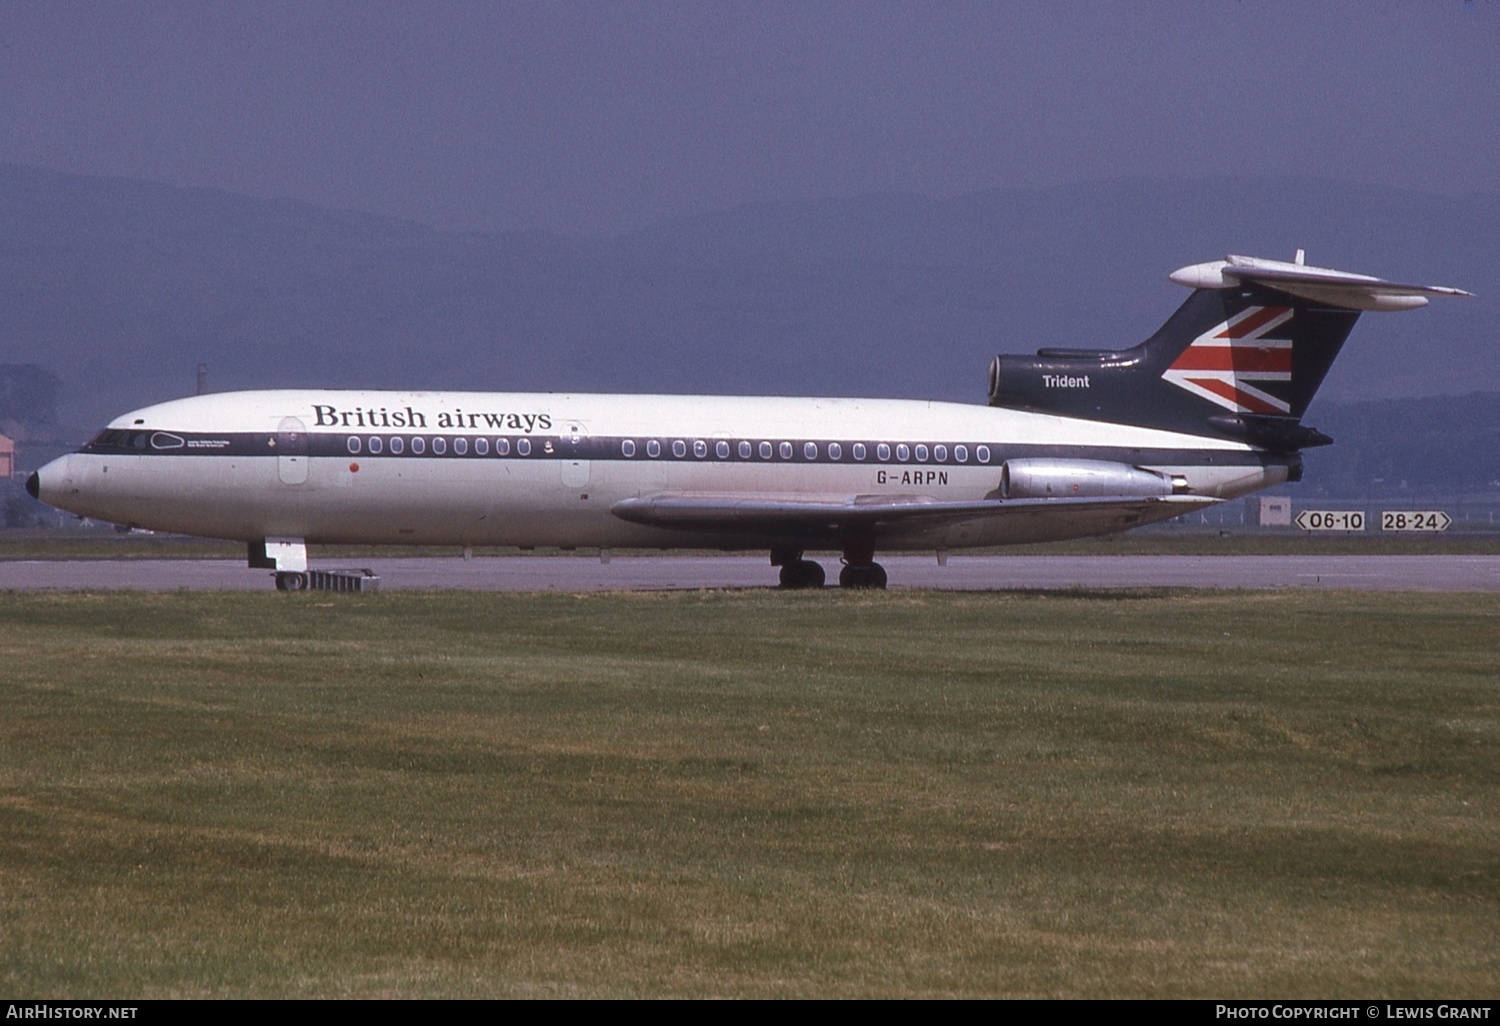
x: 522, y: 469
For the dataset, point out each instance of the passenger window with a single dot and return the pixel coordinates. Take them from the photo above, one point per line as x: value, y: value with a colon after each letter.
x: 523, y: 446
x: 439, y: 446
x: 785, y: 450
x: 375, y: 445
x: 983, y: 452
x: 398, y: 445
x: 460, y: 445
x: 940, y: 453
x: 810, y: 451
x: 744, y: 450
x: 653, y: 448
x: 721, y: 450
x: 679, y: 448
x: 883, y: 451
x: 627, y: 447
x: 921, y: 454
x: 902, y: 452
x: 700, y: 448
x: 482, y: 446
x: 353, y: 445
x: 418, y: 446
x: 502, y: 447
x: 835, y: 451
x: 765, y: 450
x: 859, y: 450
x: 961, y: 453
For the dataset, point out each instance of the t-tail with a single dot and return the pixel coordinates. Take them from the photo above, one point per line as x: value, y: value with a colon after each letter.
x: 1241, y: 358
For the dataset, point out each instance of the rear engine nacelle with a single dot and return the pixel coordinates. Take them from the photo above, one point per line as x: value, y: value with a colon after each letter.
x: 1083, y: 479
x: 1070, y: 382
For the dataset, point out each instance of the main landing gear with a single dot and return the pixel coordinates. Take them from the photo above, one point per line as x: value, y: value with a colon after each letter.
x: 860, y: 569
x: 802, y: 573
x: 872, y: 576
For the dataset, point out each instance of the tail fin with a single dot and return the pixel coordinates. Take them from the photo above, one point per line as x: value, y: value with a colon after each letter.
x: 1242, y: 357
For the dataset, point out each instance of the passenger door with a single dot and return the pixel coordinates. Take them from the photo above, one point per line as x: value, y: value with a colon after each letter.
x: 291, y: 451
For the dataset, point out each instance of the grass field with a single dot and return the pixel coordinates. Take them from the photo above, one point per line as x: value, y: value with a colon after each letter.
x: 750, y: 794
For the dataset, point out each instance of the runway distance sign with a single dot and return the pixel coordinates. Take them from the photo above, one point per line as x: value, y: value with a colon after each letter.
x: 1414, y: 520
x: 1331, y: 520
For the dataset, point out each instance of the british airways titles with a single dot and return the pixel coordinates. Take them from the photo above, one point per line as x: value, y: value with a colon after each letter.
x: 382, y: 417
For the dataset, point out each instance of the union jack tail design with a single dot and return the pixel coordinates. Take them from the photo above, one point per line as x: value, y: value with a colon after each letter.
x: 1230, y: 362
x: 1241, y: 358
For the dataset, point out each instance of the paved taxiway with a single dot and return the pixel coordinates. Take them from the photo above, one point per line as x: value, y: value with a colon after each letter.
x: 625, y: 573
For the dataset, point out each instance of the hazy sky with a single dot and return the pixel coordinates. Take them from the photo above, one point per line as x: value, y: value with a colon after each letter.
x: 595, y: 117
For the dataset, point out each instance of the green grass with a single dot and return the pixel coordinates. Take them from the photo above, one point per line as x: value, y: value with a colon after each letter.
x: 750, y: 794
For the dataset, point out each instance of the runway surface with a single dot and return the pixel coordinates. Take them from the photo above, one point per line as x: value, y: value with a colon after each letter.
x: 962, y: 573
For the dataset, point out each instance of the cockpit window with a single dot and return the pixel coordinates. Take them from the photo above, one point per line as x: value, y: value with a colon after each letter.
x: 117, y: 440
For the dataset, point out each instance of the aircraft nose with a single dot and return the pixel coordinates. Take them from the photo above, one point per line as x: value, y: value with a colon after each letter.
x: 50, y: 483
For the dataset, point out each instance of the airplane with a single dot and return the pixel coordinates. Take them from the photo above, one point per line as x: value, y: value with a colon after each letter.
x: 1073, y: 443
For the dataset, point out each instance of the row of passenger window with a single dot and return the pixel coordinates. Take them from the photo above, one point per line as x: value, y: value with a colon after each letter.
x: 834, y: 451
x: 654, y: 448
x: 397, y: 445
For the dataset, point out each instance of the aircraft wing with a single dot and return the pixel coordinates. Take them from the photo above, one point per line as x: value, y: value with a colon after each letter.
x: 833, y: 516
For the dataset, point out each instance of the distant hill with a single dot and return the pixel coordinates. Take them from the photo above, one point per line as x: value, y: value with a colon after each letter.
x: 121, y: 288
x: 1393, y: 448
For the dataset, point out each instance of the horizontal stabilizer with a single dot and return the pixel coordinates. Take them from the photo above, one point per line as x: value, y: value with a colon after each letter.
x: 1319, y: 284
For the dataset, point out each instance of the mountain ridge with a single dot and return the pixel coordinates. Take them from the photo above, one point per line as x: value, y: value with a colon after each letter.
x: 122, y: 287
